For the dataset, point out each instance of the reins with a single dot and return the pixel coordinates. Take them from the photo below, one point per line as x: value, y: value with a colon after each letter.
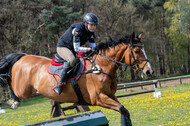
x: 89, y: 57
x: 115, y: 61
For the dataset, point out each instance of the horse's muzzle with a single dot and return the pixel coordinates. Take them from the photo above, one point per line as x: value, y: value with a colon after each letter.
x: 149, y: 73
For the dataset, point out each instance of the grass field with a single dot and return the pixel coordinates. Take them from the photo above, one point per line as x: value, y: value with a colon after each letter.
x: 172, y: 109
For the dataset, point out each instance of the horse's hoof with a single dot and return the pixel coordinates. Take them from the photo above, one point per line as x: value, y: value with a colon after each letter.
x: 10, y: 102
x: 15, y: 105
x: 125, y: 121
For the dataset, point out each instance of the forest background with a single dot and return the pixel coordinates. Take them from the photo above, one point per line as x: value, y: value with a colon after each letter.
x: 34, y: 26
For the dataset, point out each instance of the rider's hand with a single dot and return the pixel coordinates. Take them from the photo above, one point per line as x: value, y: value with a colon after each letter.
x: 88, y: 49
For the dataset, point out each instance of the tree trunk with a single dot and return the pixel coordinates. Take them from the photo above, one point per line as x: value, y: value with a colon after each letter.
x: 188, y: 52
x: 46, y: 40
x: 161, y: 65
x: 170, y: 65
x: 132, y: 74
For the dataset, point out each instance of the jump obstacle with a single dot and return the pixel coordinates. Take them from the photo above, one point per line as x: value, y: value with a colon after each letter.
x: 2, y: 111
x: 95, y: 118
x: 57, y: 110
x: 157, y: 93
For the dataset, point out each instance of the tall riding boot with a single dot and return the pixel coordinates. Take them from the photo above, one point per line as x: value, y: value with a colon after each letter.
x: 59, y: 86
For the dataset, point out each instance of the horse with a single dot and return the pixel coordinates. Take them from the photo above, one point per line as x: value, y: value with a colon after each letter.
x: 29, y: 74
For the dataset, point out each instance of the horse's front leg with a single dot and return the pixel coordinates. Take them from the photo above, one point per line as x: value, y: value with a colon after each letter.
x: 112, y: 103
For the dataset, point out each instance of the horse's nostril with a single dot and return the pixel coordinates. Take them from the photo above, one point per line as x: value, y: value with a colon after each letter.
x: 147, y: 72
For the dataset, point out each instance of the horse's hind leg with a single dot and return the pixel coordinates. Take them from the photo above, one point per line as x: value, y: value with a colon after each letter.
x: 14, y: 102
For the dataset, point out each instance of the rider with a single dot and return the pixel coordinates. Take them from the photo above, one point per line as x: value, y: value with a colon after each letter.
x: 71, y: 41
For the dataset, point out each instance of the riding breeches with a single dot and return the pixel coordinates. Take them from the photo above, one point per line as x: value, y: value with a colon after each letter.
x: 66, y: 54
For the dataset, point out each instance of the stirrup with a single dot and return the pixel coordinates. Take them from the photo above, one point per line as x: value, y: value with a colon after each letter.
x: 58, y: 88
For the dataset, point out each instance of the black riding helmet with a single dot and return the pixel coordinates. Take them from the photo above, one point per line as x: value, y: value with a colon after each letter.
x: 91, y: 18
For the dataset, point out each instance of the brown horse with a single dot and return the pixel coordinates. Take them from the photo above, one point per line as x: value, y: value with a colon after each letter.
x: 29, y: 75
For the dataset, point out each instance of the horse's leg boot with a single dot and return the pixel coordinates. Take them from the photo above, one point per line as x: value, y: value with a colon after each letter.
x: 60, y: 85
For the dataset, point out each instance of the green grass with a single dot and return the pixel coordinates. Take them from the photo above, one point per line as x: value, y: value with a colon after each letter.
x: 172, y: 109
x: 178, y: 75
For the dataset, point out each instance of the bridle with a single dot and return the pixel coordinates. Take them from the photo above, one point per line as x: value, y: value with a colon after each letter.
x: 137, y: 60
x: 131, y: 56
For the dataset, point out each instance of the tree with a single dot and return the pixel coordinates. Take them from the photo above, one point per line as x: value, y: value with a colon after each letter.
x: 53, y: 21
x: 178, y: 40
x: 185, y: 26
x: 15, y: 19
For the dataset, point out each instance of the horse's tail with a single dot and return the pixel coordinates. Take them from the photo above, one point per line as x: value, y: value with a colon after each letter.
x: 6, y: 65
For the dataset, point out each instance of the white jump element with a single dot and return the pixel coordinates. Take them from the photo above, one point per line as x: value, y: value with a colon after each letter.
x: 2, y: 111
x: 157, y: 94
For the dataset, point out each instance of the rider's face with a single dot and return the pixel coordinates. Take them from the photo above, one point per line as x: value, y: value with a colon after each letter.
x: 91, y: 27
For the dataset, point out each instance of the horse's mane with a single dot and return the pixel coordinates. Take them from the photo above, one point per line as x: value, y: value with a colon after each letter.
x: 112, y: 42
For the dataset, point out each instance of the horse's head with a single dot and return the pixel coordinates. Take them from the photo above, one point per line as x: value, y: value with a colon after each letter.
x: 135, y: 55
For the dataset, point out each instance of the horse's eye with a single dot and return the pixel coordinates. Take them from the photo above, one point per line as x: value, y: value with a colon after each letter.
x: 137, y: 51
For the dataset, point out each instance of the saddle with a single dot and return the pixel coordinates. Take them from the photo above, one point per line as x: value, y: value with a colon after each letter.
x: 56, y: 67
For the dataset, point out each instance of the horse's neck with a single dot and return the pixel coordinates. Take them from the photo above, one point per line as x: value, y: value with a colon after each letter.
x: 116, y: 53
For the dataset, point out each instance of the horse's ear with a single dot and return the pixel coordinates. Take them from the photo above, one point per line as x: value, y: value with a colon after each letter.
x: 132, y: 38
x: 140, y: 36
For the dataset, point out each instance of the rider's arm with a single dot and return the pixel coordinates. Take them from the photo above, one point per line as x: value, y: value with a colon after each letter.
x: 76, y: 41
x: 92, y: 44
